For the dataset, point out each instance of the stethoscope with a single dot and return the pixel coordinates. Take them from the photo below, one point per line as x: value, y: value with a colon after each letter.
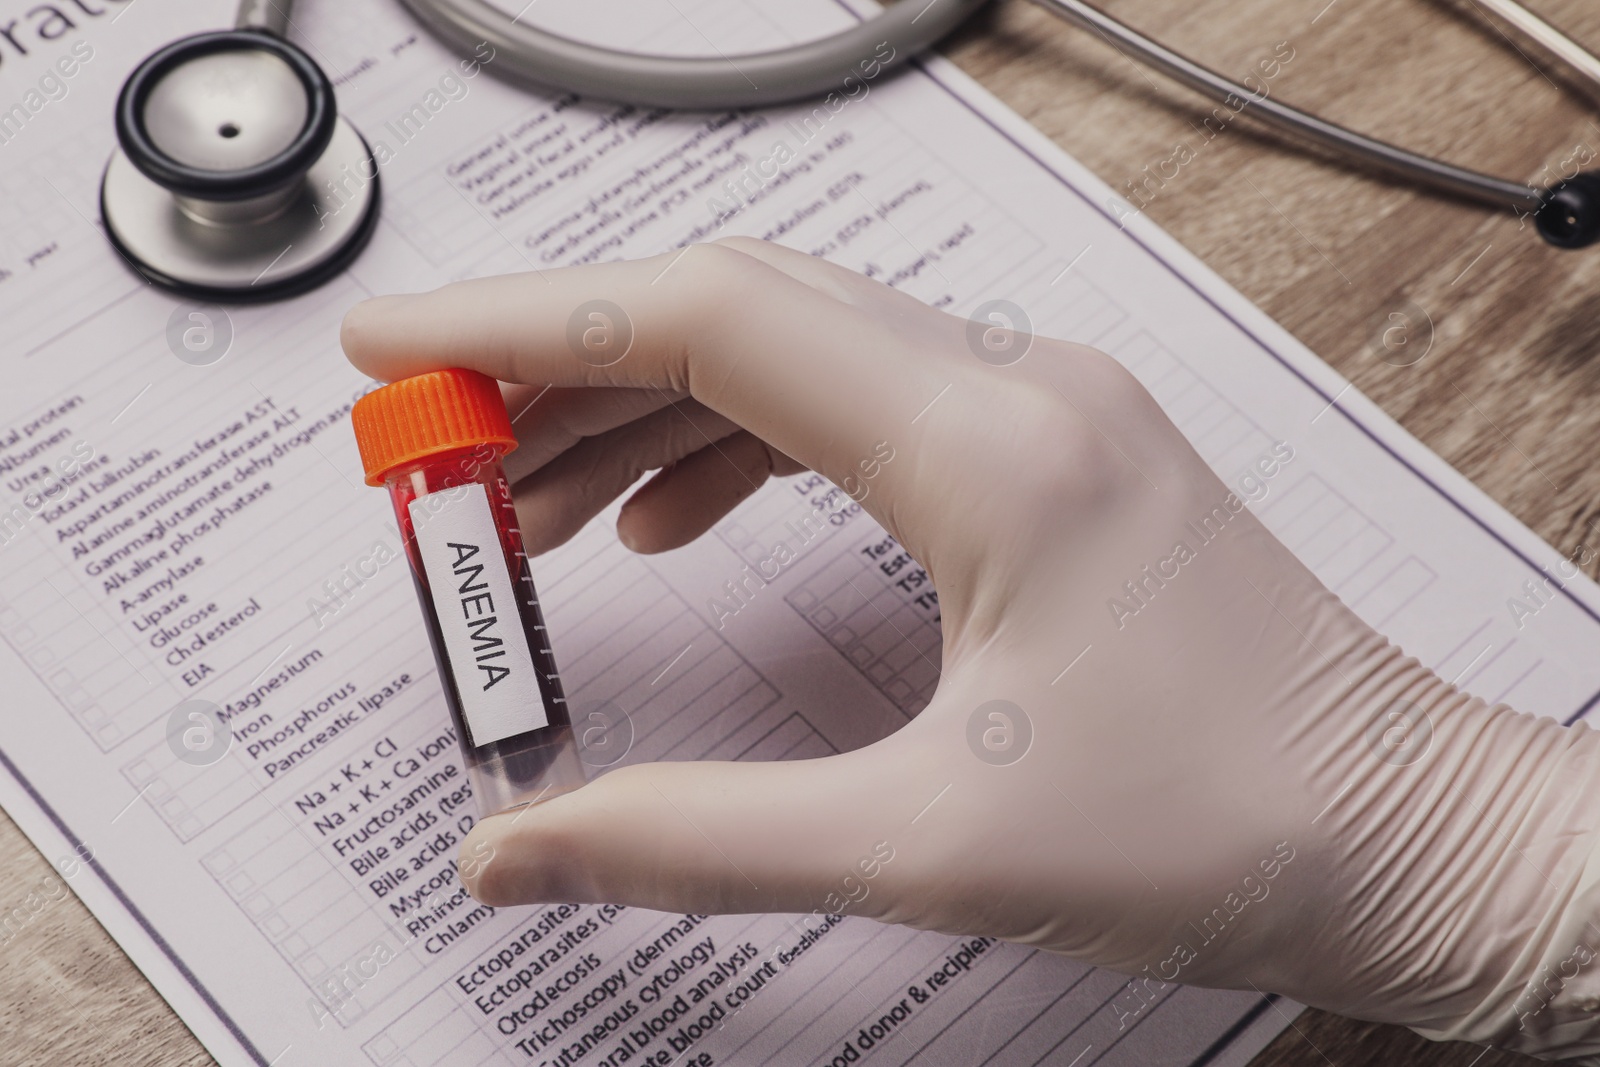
x: 237, y: 180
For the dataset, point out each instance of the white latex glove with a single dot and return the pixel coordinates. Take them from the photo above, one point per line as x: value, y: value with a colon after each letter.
x: 1238, y: 784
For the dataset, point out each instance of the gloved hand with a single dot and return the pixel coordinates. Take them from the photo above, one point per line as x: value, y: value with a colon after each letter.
x: 1203, y: 767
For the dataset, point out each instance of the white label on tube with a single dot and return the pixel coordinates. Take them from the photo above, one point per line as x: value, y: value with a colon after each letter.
x: 478, y: 615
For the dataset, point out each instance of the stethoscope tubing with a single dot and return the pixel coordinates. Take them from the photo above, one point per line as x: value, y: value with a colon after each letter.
x: 536, y: 57
x: 1377, y: 155
x: 1552, y: 40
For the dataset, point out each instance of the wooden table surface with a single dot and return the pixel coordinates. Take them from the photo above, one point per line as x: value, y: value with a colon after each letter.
x: 1507, y: 392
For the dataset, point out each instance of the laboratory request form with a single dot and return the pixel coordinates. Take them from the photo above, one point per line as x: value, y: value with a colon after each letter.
x: 183, y: 520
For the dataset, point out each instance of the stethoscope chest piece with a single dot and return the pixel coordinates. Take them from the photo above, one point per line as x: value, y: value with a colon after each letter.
x: 236, y: 179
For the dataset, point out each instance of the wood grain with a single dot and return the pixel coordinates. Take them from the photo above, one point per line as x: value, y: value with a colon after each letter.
x: 1507, y: 392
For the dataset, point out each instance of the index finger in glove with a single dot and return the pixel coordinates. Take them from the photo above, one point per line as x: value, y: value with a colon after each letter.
x: 818, y: 379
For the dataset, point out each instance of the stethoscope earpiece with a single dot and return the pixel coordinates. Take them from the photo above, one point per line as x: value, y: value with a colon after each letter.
x: 236, y: 179
x: 1569, y: 212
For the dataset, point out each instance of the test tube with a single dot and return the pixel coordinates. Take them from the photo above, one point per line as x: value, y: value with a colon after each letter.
x: 435, y: 442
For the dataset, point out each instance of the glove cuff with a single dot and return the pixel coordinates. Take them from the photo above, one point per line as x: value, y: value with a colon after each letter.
x: 1546, y: 1002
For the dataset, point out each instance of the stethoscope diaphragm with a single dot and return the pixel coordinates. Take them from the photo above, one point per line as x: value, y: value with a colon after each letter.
x: 235, y: 178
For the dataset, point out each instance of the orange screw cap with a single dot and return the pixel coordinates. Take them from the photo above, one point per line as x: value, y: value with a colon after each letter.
x: 415, y: 418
